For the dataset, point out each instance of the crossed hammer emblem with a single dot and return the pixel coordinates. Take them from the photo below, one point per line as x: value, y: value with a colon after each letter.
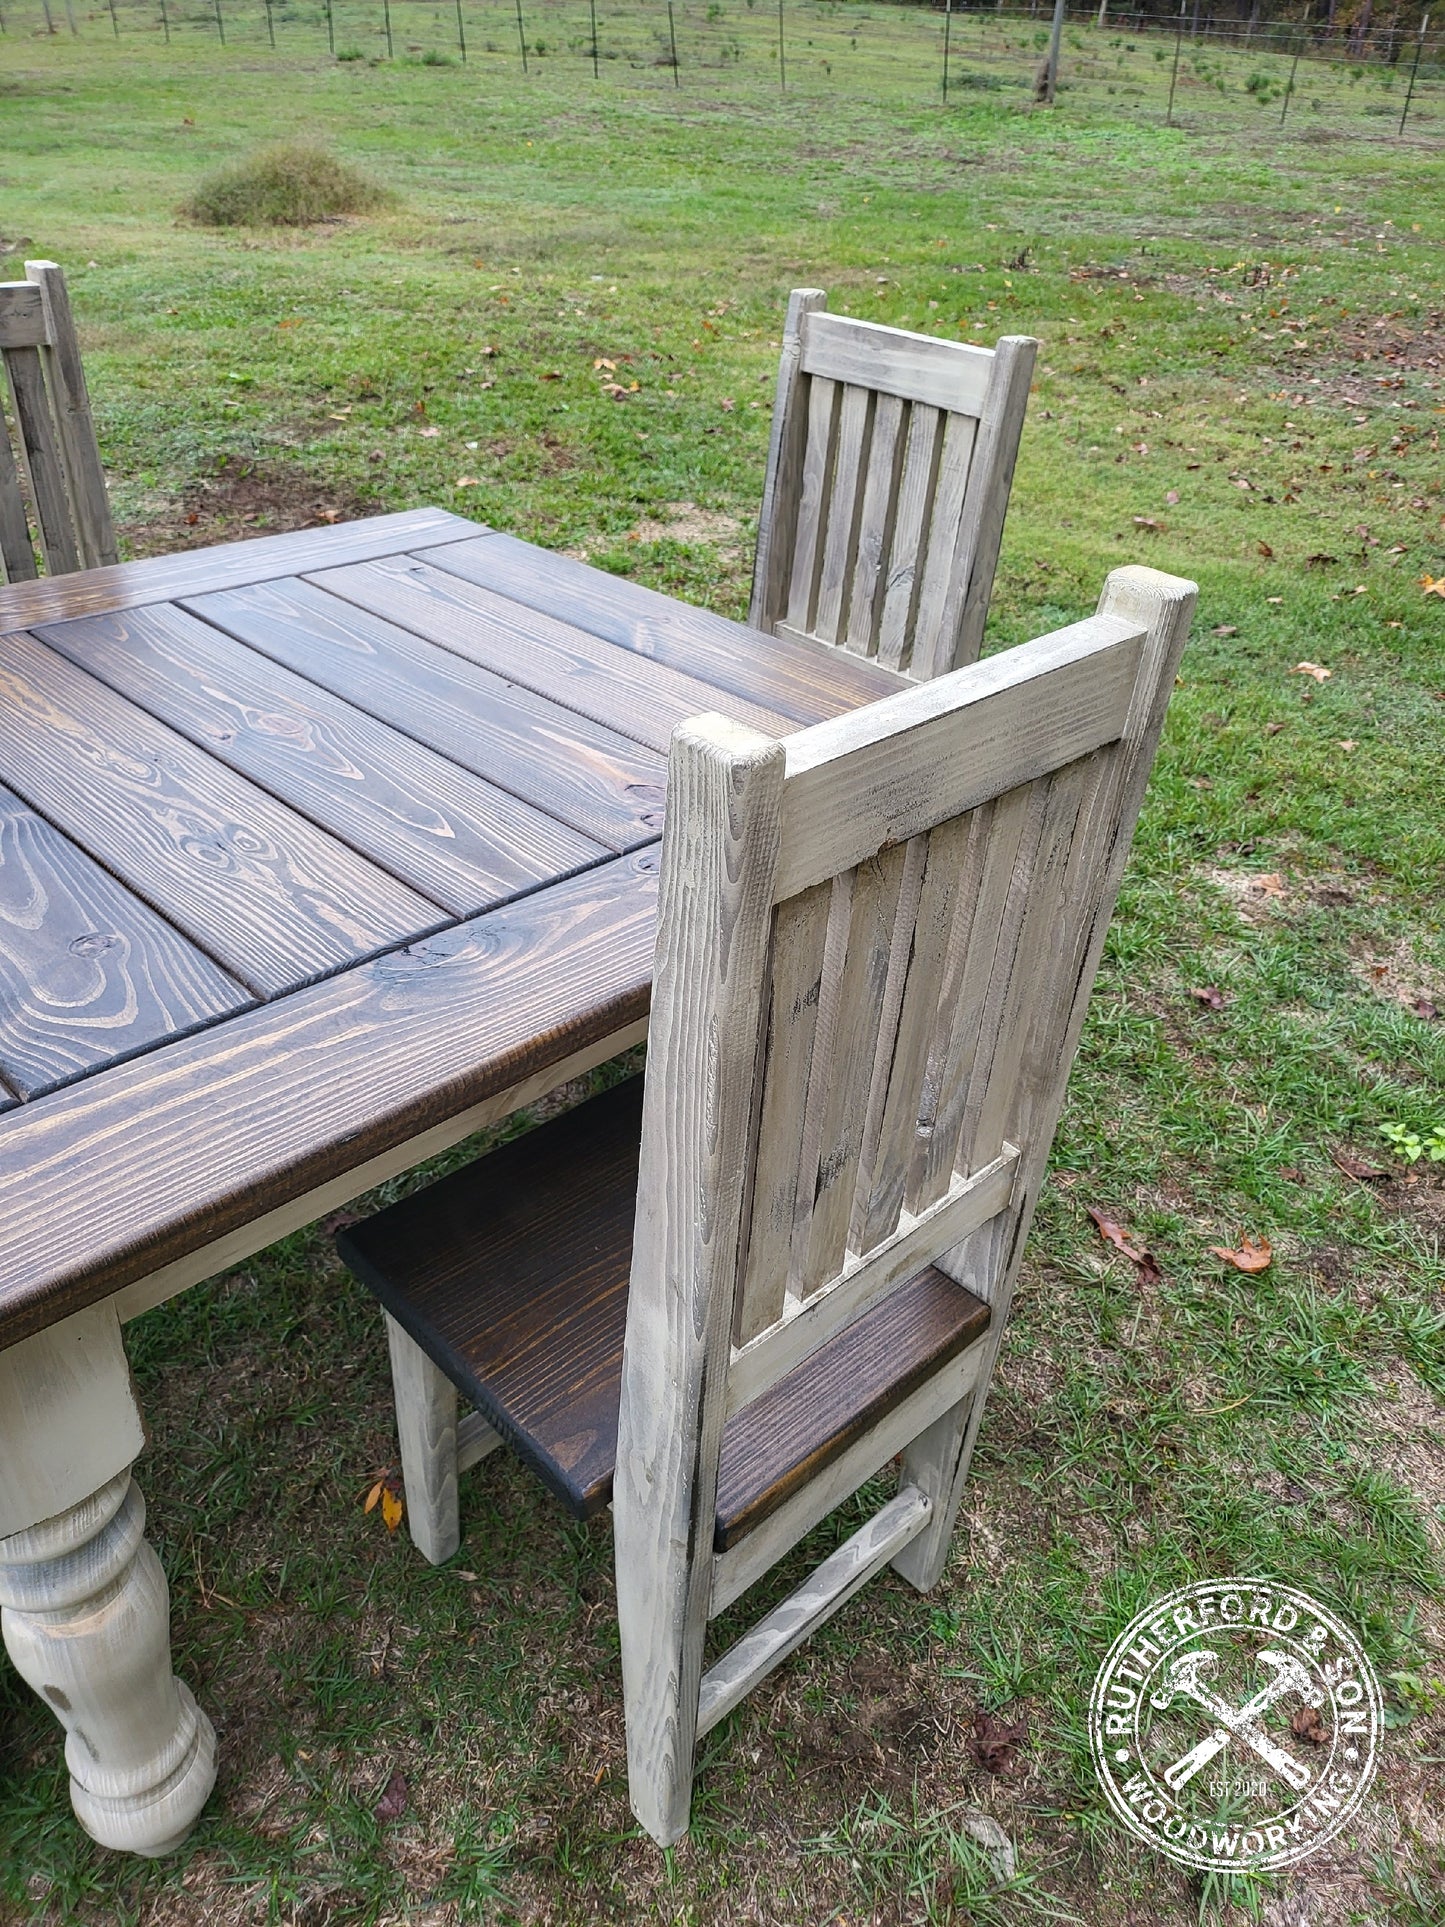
x: 1184, y: 1677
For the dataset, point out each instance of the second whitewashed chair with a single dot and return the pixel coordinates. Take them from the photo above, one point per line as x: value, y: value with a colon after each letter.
x: 725, y: 1301
x: 889, y: 472
x: 54, y: 454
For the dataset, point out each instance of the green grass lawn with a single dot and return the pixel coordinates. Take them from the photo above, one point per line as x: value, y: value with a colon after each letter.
x: 1242, y: 340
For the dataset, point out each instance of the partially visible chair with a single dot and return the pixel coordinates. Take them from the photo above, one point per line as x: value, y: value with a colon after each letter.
x: 723, y: 1302
x: 54, y: 447
x: 888, y: 478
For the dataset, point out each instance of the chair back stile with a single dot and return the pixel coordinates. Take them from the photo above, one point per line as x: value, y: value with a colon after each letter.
x: 889, y: 472
x: 53, y: 471
x: 875, y: 949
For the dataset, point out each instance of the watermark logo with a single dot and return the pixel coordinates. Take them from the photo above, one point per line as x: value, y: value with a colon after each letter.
x: 1235, y: 1724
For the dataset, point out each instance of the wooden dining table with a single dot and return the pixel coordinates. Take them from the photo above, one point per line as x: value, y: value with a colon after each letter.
x: 318, y: 852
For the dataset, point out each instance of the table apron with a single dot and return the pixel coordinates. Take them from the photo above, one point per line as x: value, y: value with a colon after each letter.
x: 220, y: 1255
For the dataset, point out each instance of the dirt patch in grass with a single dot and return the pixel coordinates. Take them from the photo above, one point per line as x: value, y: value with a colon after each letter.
x: 686, y: 522
x: 242, y: 499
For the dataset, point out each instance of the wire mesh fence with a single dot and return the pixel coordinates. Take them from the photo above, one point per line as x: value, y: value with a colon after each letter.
x: 1386, y: 79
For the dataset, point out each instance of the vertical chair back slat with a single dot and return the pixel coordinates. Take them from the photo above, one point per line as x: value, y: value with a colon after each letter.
x: 888, y: 476
x: 55, y: 461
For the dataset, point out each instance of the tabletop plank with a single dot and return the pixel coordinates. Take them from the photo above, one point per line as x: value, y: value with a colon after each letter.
x: 582, y: 773
x: 642, y: 699
x: 161, y: 578
x: 309, y: 1087
x: 462, y: 842
x: 88, y: 973
x: 802, y: 680
x: 273, y: 899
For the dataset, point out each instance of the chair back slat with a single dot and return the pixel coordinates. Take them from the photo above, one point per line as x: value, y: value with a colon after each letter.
x: 53, y: 470
x: 40, y: 452
x: 888, y: 476
x: 17, y: 552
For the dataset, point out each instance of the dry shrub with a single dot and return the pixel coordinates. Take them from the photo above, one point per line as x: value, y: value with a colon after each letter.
x: 289, y: 185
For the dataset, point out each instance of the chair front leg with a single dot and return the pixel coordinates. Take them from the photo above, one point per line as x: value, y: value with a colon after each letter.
x: 426, y: 1423
x: 937, y: 1463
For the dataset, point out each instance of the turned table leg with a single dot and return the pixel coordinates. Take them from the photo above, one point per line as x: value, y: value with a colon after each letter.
x: 84, y: 1606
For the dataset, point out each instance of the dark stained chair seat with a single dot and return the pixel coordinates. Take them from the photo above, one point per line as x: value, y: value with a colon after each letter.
x: 512, y: 1275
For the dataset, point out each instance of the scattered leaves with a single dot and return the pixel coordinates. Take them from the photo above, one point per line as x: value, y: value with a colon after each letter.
x: 1149, y: 522
x: 1252, y: 1255
x: 392, y: 1803
x: 1172, y: 498
x: 994, y: 1744
x: 1424, y: 1007
x: 1226, y: 629
x: 1314, y: 669
x: 1209, y: 995
x: 1354, y: 1167
x: 1273, y: 729
x: 1271, y: 884
x: 1433, y: 584
x: 1115, y: 1234
x: 385, y: 1494
x: 429, y: 433
x: 468, y: 481
x: 1319, y: 560
x: 1265, y: 550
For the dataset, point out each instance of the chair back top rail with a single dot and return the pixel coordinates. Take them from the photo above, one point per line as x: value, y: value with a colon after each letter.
x: 889, y: 472
x: 52, y: 475
x: 875, y: 946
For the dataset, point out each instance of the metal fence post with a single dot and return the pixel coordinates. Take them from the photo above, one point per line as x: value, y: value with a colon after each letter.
x: 1414, y: 69
x: 1174, y: 76
x: 1289, y: 84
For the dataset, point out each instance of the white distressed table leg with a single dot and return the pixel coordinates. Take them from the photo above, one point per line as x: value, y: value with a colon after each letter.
x: 85, y: 1611
x: 83, y: 1600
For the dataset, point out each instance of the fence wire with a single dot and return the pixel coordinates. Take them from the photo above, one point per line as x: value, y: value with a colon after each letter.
x: 1232, y: 71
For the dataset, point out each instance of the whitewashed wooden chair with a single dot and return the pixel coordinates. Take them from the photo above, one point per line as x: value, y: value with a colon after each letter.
x: 888, y: 480
x: 875, y: 946
x: 54, y: 447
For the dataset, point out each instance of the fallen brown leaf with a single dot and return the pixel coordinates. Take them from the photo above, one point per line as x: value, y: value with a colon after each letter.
x: 1271, y: 883
x: 1307, y: 1723
x: 1354, y: 1167
x: 391, y: 1506
x: 1314, y: 669
x: 1149, y: 522
x: 1273, y: 729
x: 1226, y: 629
x: 392, y: 1803
x: 1319, y: 560
x: 1264, y: 549
x: 1252, y: 1255
x: 1423, y: 1007
x: 1209, y: 995
x: 1116, y: 1235
x: 1433, y: 584
x: 1171, y: 497
x: 994, y: 1744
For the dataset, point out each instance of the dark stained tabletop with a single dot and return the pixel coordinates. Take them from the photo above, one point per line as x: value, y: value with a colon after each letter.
x: 311, y: 842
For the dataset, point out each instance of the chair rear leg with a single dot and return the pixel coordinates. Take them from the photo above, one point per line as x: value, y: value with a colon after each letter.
x: 662, y: 1599
x: 426, y: 1423
x: 937, y: 1463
